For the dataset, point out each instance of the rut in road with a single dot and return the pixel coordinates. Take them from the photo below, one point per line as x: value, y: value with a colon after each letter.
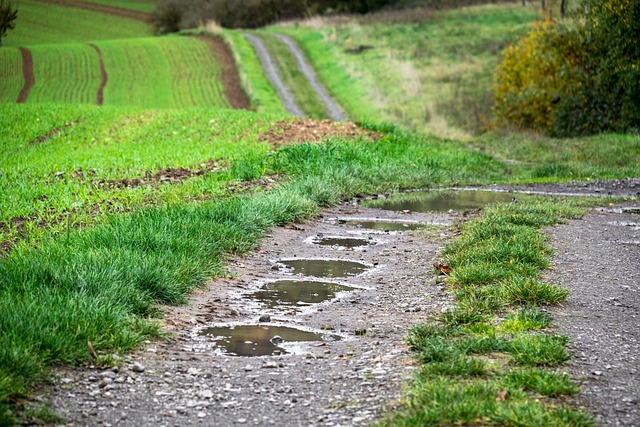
x: 333, y: 110
x: 274, y: 76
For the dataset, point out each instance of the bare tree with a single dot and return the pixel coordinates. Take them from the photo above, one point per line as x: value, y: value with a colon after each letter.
x: 8, y: 15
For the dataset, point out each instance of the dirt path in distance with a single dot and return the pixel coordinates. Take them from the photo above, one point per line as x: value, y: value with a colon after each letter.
x: 27, y: 72
x: 273, y: 75
x: 334, y: 112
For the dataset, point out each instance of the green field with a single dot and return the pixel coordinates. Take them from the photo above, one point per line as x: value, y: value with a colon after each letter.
x: 45, y: 23
x: 164, y: 72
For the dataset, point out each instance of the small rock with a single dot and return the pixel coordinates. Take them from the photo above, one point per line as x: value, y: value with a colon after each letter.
x: 277, y: 339
x: 105, y: 382
x: 264, y: 318
x: 138, y: 367
x: 242, y: 420
x: 201, y: 415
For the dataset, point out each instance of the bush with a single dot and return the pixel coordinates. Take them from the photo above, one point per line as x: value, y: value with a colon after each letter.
x: 577, y: 77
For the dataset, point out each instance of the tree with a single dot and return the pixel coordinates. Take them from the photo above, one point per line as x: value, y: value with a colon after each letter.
x: 8, y: 15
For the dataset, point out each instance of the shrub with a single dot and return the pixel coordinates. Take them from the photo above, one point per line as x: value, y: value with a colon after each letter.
x: 576, y: 77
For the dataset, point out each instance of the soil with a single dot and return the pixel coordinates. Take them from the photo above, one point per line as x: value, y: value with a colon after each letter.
x: 104, y: 78
x: 354, y: 381
x: 309, y: 130
x: 27, y: 72
x: 230, y: 78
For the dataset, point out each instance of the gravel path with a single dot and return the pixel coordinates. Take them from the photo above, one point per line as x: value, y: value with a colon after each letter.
x: 598, y: 260
x: 356, y: 380
x: 348, y: 382
x: 274, y: 76
x: 334, y: 112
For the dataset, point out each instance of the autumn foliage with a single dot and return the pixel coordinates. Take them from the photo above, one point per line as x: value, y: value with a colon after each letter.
x: 574, y: 77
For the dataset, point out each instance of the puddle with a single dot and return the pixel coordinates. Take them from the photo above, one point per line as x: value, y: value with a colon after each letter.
x: 439, y: 201
x: 343, y: 242
x: 297, y: 292
x: 261, y: 340
x: 325, y: 268
x: 386, y: 225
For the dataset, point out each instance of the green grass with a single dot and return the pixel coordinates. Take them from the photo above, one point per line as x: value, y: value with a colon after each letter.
x: 173, y: 72
x: 488, y: 360
x: 66, y: 177
x: 302, y: 92
x: 263, y: 96
x: 11, y: 80
x: 549, y: 159
x: 46, y: 23
x: 65, y: 73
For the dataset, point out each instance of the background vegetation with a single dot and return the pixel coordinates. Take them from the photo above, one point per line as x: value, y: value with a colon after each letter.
x: 575, y: 77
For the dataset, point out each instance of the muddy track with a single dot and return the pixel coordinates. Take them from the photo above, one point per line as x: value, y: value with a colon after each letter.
x: 27, y: 72
x: 274, y: 77
x: 334, y: 112
x: 109, y: 10
x: 104, y: 78
x: 230, y: 78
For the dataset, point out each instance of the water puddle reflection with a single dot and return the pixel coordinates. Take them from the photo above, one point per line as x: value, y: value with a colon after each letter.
x: 343, y: 242
x: 292, y: 293
x: 439, y: 201
x: 386, y: 225
x: 261, y: 340
x: 325, y: 268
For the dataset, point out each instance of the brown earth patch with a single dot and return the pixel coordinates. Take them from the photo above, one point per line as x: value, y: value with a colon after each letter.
x: 230, y: 81
x: 53, y: 132
x: 309, y: 130
x: 27, y: 72
x: 103, y: 75
x: 109, y: 10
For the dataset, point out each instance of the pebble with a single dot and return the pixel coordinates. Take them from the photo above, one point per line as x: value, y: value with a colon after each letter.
x: 138, y: 367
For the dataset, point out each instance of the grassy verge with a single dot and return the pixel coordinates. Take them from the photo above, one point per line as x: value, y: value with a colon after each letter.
x: 492, y: 359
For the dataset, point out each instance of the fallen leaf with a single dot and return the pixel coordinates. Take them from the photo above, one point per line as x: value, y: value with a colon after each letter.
x: 92, y: 352
x: 442, y: 268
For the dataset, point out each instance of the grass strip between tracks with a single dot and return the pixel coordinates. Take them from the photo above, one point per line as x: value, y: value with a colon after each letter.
x: 492, y: 359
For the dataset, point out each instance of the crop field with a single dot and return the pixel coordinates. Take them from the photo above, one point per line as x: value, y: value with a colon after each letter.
x: 45, y: 23
x: 77, y: 163
x: 11, y: 79
x: 164, y: 72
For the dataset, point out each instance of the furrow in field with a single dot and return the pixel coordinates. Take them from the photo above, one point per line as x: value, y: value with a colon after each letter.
x: 274, y: 76
x: 334, y: 111
x: 103, y: 75
x: 229, y: 73
x: 27, y: 72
